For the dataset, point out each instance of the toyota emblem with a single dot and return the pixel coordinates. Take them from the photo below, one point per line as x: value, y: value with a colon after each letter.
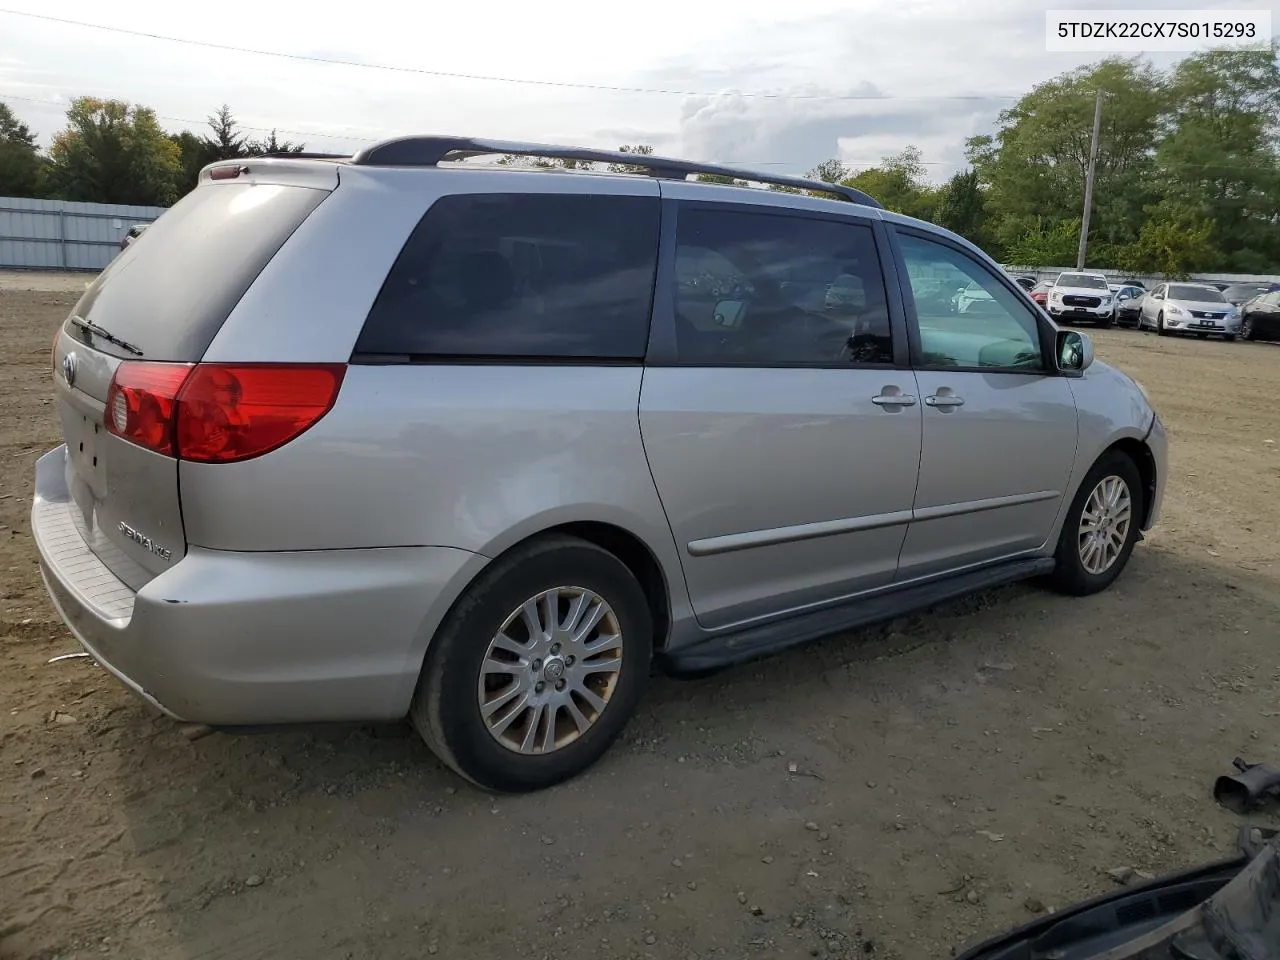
x: 69, y: 368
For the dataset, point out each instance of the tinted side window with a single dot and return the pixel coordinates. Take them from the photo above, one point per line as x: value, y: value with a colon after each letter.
x: 967, y: 318
x: 763, y: 290
x: 521, y: 276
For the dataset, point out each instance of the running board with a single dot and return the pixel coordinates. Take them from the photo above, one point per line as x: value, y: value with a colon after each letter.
x: 738, y: 646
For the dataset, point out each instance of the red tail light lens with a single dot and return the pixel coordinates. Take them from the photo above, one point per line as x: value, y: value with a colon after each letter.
x: 142, y: 401
x: 218, y: 413
x: 228, y: 412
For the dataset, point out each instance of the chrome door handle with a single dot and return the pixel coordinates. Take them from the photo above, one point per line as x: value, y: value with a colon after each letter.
x: 894, y: 400
x: 944, y: 401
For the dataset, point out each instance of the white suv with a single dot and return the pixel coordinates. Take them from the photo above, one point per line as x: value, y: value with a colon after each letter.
x: 1082, y: 296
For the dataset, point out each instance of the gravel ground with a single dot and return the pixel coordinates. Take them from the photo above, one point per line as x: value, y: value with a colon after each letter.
x: 895, y: 792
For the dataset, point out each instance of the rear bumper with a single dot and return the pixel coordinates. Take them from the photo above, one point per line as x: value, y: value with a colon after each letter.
x: 228, y: 638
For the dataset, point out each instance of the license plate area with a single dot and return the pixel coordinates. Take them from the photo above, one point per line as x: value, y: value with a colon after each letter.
x: 84, y: 437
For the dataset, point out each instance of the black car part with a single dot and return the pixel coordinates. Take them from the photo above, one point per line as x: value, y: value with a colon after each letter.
x: 1254, y: 783
x: 1228, y: 910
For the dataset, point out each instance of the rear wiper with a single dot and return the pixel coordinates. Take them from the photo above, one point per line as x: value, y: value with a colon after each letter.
x: 96, y: 330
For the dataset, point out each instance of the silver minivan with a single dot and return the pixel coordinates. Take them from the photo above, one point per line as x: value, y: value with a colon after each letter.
x: 405, y: 434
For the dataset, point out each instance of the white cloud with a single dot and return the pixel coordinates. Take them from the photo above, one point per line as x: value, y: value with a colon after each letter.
x: 913, y: 52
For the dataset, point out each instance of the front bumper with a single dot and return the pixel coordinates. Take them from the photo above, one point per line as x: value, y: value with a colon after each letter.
x: 230, y: 639
x: 1060, y: 312
x: 1188, y: 324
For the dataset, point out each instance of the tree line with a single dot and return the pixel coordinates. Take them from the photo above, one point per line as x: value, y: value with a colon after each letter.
x: 115, y: 152
x: 1187, y: 171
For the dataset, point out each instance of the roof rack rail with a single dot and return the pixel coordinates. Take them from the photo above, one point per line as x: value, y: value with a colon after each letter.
x: 427, y: 151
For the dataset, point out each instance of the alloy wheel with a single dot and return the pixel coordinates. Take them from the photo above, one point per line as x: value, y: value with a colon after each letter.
x: 1104, y: 524
x: 551, y: 670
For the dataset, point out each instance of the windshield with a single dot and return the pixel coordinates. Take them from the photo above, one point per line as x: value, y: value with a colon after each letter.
x: 1182, y: 291
x: 1245, y: 291
x: 1082, y: 281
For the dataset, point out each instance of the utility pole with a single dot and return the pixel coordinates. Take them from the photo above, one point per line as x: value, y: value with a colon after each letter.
x: 1088, y: 182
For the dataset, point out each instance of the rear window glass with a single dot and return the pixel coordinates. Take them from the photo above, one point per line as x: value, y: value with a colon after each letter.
x: 169, y: 291
x: 521, y: 276
x: 1179, y: 291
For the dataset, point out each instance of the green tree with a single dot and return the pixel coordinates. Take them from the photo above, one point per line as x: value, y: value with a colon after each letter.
x: 227, y: 142
x: 21, y: 165
x: 643, y: 149
x: 898, y: 183
x: 1219, y: 161
x: 1046, y: 243
x: 830, y: 171
x: 961, y: 207
x: 193, y: 155
x: 114, y: 152
x: 1036, y: 162
x: 271, y: 144
x: 720, y: 178
x: 1171, y: 245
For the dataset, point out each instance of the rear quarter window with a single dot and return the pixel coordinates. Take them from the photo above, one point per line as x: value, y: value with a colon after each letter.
x: 533, y: 276
x: 170, y: 290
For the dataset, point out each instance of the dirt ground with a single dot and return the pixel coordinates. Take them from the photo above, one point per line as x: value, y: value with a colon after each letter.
x: 894, y: 793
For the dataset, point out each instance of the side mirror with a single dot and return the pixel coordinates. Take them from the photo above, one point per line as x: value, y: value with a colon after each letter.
x: 1075, y: 353
x: 728, y: 313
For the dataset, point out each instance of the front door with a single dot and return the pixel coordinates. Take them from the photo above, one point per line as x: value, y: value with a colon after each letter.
x: 999, y: 426
x: 783, y: 440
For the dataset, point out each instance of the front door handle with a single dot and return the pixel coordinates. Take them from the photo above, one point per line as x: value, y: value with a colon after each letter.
x: 944, y: 401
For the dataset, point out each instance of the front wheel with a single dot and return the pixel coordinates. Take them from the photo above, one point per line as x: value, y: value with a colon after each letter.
x: 1246, y: 329
x: 1229, y: 337
x: 1160, y: 330
x: 538, y: 667
x: 1100, y: 528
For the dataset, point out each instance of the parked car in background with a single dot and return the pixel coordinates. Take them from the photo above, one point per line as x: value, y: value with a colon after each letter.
x: 630, y: 395
x: 1026, y: 283
x: 1081, y: 296
x: 1260, y: 317
x: 1241, y: 293
x: 1134, y: 283
x: 1189, y: 308
x: 1127, y: 303
x: 1040, y: 292
x: 132, y: 234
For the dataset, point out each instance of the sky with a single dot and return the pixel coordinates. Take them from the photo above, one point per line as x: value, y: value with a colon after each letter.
x: 753, y: 83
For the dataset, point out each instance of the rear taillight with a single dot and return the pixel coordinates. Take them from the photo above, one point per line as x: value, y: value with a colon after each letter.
x: 228, y: 412
x: 218, y: 413
x: 142, y: 403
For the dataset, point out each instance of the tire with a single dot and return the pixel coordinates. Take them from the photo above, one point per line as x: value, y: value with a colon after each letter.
x: 1071, y: 575
x: 1106, y: 324
x: 1160, y: 330
x: 447, y: 708
x: 1229, y: 337
x: 1247, y: 330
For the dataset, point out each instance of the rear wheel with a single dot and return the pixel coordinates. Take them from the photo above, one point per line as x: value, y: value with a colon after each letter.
x: 1100, y: 528
x: 537, y: 668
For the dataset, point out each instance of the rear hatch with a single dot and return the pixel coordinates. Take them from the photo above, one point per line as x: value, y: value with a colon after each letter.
x: 161, y: 301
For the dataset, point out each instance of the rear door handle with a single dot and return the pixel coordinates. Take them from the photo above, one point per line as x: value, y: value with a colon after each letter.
x: 944, y: 400
x: 894, y: 400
